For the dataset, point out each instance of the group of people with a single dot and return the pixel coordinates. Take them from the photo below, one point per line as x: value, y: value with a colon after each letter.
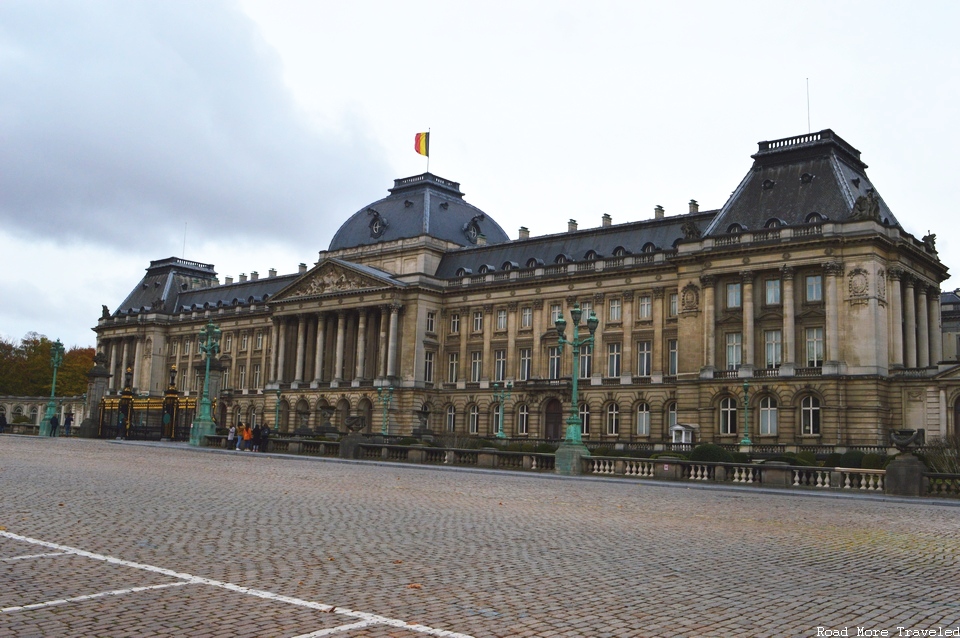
x: 252, y: 439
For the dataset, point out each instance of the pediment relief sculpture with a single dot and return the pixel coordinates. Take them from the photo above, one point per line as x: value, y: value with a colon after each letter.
x: 332, y: 279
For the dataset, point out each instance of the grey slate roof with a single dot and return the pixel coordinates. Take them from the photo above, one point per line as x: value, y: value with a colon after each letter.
x: 419, y: 205
x: 776, y: 186
x: 658, y: 234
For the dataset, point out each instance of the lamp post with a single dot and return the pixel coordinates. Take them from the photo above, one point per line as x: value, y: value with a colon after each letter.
x: 569, y: 453
x: 385, y: 397
x: 209, y: 344
x: 276, y: 414
x: 502, y: 396
x: 746, y: 413
x: 56, y: 358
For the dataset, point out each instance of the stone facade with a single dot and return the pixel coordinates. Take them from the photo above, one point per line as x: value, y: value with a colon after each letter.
x: 803, y: 293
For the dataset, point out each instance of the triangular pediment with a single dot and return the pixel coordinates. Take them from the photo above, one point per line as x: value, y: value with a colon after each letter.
x: 949, y: 374
x: 335, y: 277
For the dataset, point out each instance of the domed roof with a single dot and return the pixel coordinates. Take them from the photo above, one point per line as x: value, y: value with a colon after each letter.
x: 419, y: 205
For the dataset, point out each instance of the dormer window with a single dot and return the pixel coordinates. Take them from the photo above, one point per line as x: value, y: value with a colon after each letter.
x: 620, y: 251
x: 562, y: 258
x: 509, y: 265
x: 484, y: 269
x: 815, y: 218
x: 463, y: 272
x: 773, y: 222
x: 735, y: 229
x: 590, y: 255
x: 648, y: 247
x: 533, y: 262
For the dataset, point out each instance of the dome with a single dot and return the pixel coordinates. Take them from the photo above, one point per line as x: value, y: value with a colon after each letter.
x: 419, y: 205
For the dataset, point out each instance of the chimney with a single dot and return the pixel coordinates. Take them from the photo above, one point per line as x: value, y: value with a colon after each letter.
x: 694, y: 206
x: 272, y: 272
x: 606, y: 220
x: 303, y: 268
x: 572, y: 226
x: 254, y: 275
x: 481, y: 240
x: 658, y: 212
x: 227, y: 281
x: 524, y: 233
x: 243, y: 277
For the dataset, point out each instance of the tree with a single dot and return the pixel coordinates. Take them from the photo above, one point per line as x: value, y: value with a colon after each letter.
x: 25, y: 368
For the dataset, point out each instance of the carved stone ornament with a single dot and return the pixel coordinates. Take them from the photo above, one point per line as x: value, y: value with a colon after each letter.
x: 690, y: 230
x: 330, y: 280
x: 881, y: 285
x: 858, y: 283
x: 866, y: 207
x: 378, y: 223
x: 930, y: 242
x: 472, y: 228
x: 690, y: 298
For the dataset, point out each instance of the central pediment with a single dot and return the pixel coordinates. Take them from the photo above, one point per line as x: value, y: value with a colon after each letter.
x: 335, y: 277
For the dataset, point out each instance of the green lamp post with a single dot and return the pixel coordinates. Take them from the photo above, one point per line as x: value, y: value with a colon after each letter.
x: 385, y: 397
x: 569, y: 453
x: 209, y: 344
x: 502, y: 396
x: 276, y: 415
x: 56, y: 358
x: 746, y: 413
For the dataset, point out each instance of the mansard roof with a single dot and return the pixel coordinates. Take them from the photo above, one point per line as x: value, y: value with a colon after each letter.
x: 420, y: 205
x: 794, y: 178
x: 649, y: 235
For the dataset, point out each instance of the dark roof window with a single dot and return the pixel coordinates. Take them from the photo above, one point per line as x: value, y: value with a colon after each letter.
x: 533, y: 262
x: 485, y: 268
x: 562, y: 258
x: 773, y: 222
x: 509, y: 265
x: 814, y: 218
x: 592, y: 254
x: 463, y: 272
x: 734, y: 229
x: 620, y: 251
x: 648, y: 247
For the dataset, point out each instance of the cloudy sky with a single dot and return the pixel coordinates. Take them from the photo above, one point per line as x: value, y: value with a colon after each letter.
x: 244, y: 133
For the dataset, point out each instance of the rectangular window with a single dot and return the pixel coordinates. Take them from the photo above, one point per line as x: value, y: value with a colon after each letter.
x: 227, y: 343
x: 474, y: 420
x: 555, y: 313
x: 197, y: 382
x: 734, y: 350
x: 645, y: 308
x: 431, y: 322
x: 478, y: 321
x: 586, y: 362
x: 525, y: 364
x: 613, y: 419
x: 772, y: 288
x: 176, y: 346
x: 499, y: 365
x: 768, y: 417
x: 526, y: 317
x: 773, y: 348
x: 585, y: 309
x: 256, y: 376
x: 455, y: 323
x: 259, y: 345
x: 644, y: 358
x: 186, y: 346
x: 453, y: 367
x: 814, y: 347
x: 244, y: 339
x: 615, y: 310
x: 814, y: 288
x: 613, y: 359
x: 643, y: 420
x: 428, y: 366
x: 476, y: 366
x: 673, y: 305
x: 523, y: 420
x: 241, y: 376
x: 553, y: 362
x: 672, y: 357
x: 733, y: 295
x: 451, y: 419
x: 501, y: 320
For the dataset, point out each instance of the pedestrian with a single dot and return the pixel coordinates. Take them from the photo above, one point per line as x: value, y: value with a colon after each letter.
x: 264, y: 438
x: 67, y: 423
x: 257, y: 431
x: 3, y: 422
x: 54, y: 424
x: 232, y: 437
x: 247, y: 438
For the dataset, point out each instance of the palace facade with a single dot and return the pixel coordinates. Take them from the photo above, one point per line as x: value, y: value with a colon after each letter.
x: 802, y: 310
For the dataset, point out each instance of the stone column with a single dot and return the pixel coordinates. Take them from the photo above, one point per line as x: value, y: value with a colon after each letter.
x: 124, y: 359
x: 709, y: 323
x: 321, y: 343
x: 536, y: 360
x: 275, y: 348
x: 923, y: 324
x: 248, y: 382
x: 628, y: 366
x: 466, y: 324
x: 910, y: 328
x: 936, y: 337
x: 282, y: 351
x: 361, y: 343
x: 833, y: 270
x: 512, y: 325
x: 301, y: 348
x: 394, y: 340
x: 896, y: 318
x: 341, y: 339
x: 113, y: 365
x: 746, y: 279
x: 137, y: 360
x: 658, y: 344
x: 382, y: 343
x: 789, y: 318
x: 487, y: 367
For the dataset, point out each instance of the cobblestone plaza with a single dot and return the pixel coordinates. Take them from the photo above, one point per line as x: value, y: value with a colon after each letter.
x: 107, y: 539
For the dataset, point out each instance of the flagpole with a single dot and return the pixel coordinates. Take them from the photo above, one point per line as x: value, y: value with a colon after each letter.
x: 428, y: 150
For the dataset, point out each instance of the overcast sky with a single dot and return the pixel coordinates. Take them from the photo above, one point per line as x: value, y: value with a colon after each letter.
x: 243, y: 134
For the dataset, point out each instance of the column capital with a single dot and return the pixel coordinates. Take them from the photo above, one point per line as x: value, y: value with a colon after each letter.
x: 538, y: 304
x: 571, y: 301
x: 833, y: 268
x: 628, y: 296
x: 487, y: 308
x: 708, y: 281
x: 909, y: 280
x: 658, y: 292
x: 895, y: 273
x: 598, y: 297
x: 787, y: 272
x: 512, y: 306
x: 747, y: 276
x: 396, y: 307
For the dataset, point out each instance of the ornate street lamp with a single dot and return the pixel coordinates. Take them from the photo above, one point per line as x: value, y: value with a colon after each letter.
x: 746, y: 413
x: 502, y: 396
x: 276, y: 415
x: 209, y: 345
x: 56, y: 358
x: 385, y: 397
x: 569, y: 453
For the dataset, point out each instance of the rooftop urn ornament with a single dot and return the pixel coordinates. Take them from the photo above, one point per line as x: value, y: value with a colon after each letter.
x: 56, y: 359
x: 904, y: 440
x: 572, y: 449
x: 203, y: 425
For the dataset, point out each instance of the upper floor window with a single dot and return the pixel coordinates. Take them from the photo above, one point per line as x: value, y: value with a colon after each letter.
x: 428, y: 360
x: 553, y: 362
x: 733, y: 295
x: 615, y: 310
x: 644, y: 307
x: 526, y: 317
x: 674, y: 306
x: 772, y: 290
x: 525, y: 364
x: 499, y: 365
x: 431, y: 322
x: 644, y: 358
x: 672, y: 357
x: 478, y: 321
x: 555, y: 312
x: 455, y: 323
x: 244, y: 339
x: 734, y: 229
x: 259, y: 341
x: 814, y: 342
x: 814, y: 288
x: 734, y: 350
x: 476, y: 366
x: 773, y: 348
x: 501, y: 319
x: 613, y: 359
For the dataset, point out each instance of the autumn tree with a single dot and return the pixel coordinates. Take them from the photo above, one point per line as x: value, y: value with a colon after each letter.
x: 25, y: 368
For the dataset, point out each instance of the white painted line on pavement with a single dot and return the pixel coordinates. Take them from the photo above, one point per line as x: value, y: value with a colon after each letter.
x: 334, y: 630
x: 64, y: 601
x: 4, y: 560
x: 259, y: 593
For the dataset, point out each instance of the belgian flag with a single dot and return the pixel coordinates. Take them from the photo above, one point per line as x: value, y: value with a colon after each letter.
x: 421, y: 143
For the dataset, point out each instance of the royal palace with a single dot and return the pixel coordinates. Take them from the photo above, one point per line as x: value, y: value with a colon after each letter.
x: 801, y: 310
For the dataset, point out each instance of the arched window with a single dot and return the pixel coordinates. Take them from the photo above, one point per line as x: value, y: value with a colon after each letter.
x: 584, y: 419
x: 451, y: 419
x: 463, y: 272
x: 773, y: 222
x: 734, y: 229
x: 591, y: 255
x: 562, y: 258
x: 484, y: 269
x: 495, y: 417
x: 474, y: 419
x: 523, y: 420
x: 613, y: 419
x: 35, y: 415
x: 810, y: 415
x: 648, y: 247
x: 815, y: 218
x: 768, y: 416
x: 728, y: 416
x: 533, y: 262
x: 643, y: 419
x: 671, y: 414
x: 620, y: 251
x: 509, y: 265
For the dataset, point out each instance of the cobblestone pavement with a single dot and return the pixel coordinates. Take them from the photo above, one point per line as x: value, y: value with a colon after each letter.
x: 107, y: 539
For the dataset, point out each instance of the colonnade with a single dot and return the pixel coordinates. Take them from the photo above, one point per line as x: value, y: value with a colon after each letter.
x: 913, y: 317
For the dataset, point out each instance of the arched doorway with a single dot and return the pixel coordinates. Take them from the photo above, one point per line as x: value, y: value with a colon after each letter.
x: 553, y: 421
